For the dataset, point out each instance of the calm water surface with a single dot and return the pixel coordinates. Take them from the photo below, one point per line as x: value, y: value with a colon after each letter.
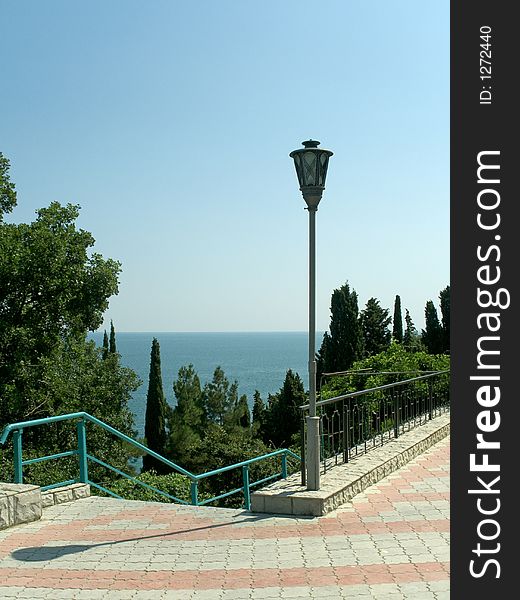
x: 258, y: 361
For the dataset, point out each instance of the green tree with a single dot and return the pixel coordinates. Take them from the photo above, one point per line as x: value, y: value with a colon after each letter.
x: 344, y: 344
x: 76, y: 378
x: 219, y: 397
x: 242, y: 414
x: 156, y: 410
x: 411, y: 339
x: 444, y: 298
x: 220, y: 447
x: 188, y: 394
x: 395, y: 358
x: 259, y: 414
x: 186, y: 421
x: 105, y: 344
x: 432, y: 335
x: 374, y: 324
x: 7, y: 188
x: 52, y: 289
x: 112, y: 344
x: 397, y: 329
x: 283, y: 418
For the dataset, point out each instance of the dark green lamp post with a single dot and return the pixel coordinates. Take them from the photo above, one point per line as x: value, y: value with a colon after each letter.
x: 311, y: 165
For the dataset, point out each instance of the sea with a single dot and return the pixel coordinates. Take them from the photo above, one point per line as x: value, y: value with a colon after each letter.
x: 256, y: 360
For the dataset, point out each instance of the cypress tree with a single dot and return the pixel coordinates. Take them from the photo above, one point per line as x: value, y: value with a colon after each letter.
x: 374, y: 323
x: 156, y: 410
x: 105, y: 344
x: 112, y: 347
x: 444, y: 298
x: 344, y: 344
x: 432, y: 335
x: 397, y: 330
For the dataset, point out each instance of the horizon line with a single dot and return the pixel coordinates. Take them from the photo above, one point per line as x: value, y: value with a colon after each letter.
x: 222, y: 331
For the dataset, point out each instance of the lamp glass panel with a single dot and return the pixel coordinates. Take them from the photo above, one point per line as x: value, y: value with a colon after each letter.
x: 309, y: 168
x: 324, y: 163
x: 298, y: 167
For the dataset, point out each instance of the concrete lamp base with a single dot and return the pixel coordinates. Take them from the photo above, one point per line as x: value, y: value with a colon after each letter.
x: 313, y: 453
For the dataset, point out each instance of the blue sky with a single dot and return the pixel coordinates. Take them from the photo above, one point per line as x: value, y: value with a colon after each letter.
x: 170, y: 124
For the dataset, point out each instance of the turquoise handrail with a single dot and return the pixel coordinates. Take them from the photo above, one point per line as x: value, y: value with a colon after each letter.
x: 84, y: 457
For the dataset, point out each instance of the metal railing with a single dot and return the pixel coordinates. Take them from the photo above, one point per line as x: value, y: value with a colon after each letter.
x: 16, y: 429
x: 353, y: 423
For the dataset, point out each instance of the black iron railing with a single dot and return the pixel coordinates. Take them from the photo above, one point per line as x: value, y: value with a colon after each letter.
x: 354, y: 423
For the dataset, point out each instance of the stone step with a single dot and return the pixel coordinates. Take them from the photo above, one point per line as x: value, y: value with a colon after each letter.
x: 342, y: 482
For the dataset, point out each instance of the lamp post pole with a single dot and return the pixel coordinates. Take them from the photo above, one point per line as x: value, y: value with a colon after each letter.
x: 311, y: 165
x: 313, y: 421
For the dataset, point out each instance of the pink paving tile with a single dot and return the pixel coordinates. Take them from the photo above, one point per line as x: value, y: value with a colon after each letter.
x: 182, y: 526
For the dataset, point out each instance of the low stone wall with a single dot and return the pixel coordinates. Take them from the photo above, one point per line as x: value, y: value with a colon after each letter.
x: 342, y: 482
x: 23, y: 503
x: 19, y: 503
x: 67, y: 493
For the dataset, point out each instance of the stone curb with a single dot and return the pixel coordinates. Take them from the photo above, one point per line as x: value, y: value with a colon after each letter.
x: 67, y: 493
x: 342, y: 482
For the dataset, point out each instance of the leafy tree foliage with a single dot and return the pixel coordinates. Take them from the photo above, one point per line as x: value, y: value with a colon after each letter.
x: 173, y: 484
x: 241, y: 415
x: 283, y: 418
x: 397, y: 329
x: 432, y: 335
x: 53, y: 290
x: 344, y: 344
x: 7, y: 188
x: 219, y: 397
x: 411, y: 339
x: 220, y: 447
x: 156, y: 409
x: 395, y: 358
x: 374, y: 324
x: 186, y: 421
x: 259, y: 414
x: 188, y: 393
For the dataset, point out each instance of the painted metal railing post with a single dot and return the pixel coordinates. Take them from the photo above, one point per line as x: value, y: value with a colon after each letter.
x: 346, y: 431
x: 284, y: 465
x: 396, y: 414
x: 303, y: 450
x: 247, y: 493
x: 17, y: 456
x: 82, y: 451
x: 430, y: 399
x: 194, y: 492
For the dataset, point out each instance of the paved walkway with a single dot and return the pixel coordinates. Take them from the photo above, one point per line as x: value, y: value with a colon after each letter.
x: 391, y: 542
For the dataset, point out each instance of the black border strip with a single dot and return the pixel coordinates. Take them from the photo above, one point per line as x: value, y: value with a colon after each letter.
x: 480, y: 127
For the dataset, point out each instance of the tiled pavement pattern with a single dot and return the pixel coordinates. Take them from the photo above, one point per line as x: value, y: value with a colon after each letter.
x: 391, y: 542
